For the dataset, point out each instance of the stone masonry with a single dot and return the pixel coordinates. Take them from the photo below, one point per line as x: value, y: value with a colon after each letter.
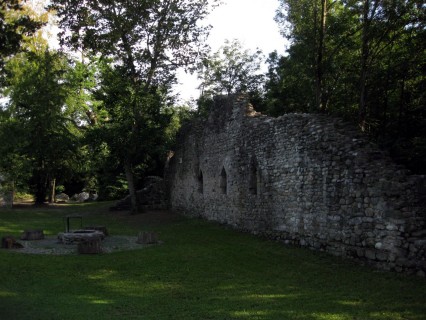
x: 303, y: 179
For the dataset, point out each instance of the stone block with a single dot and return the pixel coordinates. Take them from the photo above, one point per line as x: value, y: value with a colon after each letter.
x: 147, y: 238
x: 370, y: 254
x: 32, y: 235
x: 382, y: 256
x: 9, y: 242
x: 92, y: 246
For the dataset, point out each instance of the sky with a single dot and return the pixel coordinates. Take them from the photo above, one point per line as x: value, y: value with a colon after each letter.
x: 250, y: 21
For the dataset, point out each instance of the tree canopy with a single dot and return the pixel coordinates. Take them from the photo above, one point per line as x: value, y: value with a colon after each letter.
x: 363, y: 60
x: 145, y: 42
x: 231, y: 69
x: 13, y: 27
x: 105, y: 119
x: 41, y: 131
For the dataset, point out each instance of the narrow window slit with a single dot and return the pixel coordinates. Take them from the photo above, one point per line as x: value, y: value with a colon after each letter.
x: 223, y: 181
x: 200, y: 182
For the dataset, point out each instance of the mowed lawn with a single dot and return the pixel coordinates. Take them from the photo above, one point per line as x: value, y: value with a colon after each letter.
x: 201, y: 271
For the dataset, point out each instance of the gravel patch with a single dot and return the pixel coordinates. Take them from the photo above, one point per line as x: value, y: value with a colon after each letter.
x: 50, y: 245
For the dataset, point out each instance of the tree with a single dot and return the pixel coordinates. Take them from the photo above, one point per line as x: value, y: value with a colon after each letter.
x: 320, y: 33
x: 288, y: 87
x: 14, y: 167
x: 118, y: 130
x: 147, y: 40
x: 362, y: 60
x: 13, y: 27
x: 231, y: 69
x: 43, y: 136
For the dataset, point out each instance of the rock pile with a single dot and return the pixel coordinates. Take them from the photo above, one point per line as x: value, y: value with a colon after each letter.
x: 152, y: 196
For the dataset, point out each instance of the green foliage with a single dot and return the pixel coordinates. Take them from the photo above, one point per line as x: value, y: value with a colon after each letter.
x: 204, y: 105
x: 200, y: 271
x: 288, y: 88
x: 13, y: 27
x: 115, y: 137
x: 231, y: 70
x: 136, y: 135
x: 142, y: 44
x: 150, y: 39
x: 15, y: 167
x: 42, y: 142
x: 82, y: 80
x: 362, y: 60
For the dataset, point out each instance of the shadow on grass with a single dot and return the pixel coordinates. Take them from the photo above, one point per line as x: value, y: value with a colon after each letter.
x: 202, y: 271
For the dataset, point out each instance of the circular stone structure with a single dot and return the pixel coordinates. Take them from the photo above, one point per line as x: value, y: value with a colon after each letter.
x: 51, y: 245
x: 79, y: 236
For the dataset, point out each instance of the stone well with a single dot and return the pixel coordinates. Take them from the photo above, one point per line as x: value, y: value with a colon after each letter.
x: 79, y: 236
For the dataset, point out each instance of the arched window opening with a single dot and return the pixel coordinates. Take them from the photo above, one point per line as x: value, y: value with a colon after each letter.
x: 223, y: 181
x: 200, y: 182
x: 253, y: 179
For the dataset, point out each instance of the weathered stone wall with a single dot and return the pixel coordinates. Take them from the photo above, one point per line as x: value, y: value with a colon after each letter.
x: 303, y: 179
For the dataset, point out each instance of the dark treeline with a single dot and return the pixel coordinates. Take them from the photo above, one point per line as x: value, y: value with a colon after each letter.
x: 99, y: 114
x: 104, y: 119
x: 361, y: 60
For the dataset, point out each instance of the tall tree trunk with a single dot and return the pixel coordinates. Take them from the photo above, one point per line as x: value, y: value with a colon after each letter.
x: 41, y: 190
x: 362, y: 108
x: 319, y: 87
x: 401, y: 109
x: 52, y: 190
x: 13, y: 193
x: 131, y: 185
x: 368, y: 12
x: 41, y: 182
x: 314, y: 62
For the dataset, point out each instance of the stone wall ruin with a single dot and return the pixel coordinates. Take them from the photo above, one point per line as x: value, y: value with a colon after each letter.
x: 304, y: 179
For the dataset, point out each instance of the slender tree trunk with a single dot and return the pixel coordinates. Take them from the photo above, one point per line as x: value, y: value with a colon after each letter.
x: 13, y: 193
x: 401, y: 108
x: 383, y: 115
x: 362, y: 108
x: 41, y: 181
x: 319, y: 87
x: 40, y: 194
x: 131, y: 185
x: 315, y: 45
x: 52, y: 190
x: 368, y: 12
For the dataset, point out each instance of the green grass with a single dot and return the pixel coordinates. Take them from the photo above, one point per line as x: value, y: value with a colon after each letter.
x: 201, y: 271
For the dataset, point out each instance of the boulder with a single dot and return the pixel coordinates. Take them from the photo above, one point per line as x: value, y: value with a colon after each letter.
x: 62, y: 197
x: 81, y: 197
x: 152, y: 196
x: 9, y: 242
x: 32, y: 235
x: 147, y: 238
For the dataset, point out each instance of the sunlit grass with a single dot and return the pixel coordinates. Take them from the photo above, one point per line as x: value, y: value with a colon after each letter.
x: 7, y: 294
x: 201, y: 271
x: 101, y: 275
x: 94, y: 299
x: 331, y: 316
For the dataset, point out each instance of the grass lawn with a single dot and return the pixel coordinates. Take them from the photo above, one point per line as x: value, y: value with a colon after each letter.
x: 201, y: 271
